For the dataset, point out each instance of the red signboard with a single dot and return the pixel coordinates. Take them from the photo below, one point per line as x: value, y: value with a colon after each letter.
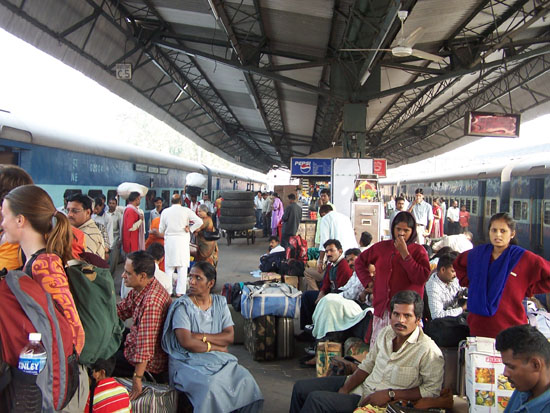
x: 379, y: 167
x: 500, y: 125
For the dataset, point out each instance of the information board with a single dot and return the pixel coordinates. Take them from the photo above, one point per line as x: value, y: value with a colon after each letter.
x: 310, y: 167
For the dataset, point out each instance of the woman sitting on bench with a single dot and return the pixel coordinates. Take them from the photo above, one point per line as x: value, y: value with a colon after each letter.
x: 197, y: 332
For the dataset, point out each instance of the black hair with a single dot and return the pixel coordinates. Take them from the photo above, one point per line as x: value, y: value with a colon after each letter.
x: 446, y: 260
x: 419, y: 191
x: 158, y: 198
x: 334, y: 242
x: 275, y: 194
x: 325, y: 191
x: 325, y: 209
x: 142, y: 261
x: 156, y: 249
x: 273, y: 238
x: 428, y: 249
x: 524, y: 340
x: 207, y: 269
x: 292, y: 197
x: 504, y: 216
x: 133, y: 196
x: 354, y: 251
x: 399, y: 198
x: 98, y: 201
x: 366, y: 239
x: 409, y: 297
x: 113, y: 199
x: 408, y: 218
x: 443, y: 251
x: 85, y: 200
x: 105, y: 364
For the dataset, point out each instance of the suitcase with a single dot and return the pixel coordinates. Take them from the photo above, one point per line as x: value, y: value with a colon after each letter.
x: 238, y: 328
x: 260, y: 337
x: 285, y: 337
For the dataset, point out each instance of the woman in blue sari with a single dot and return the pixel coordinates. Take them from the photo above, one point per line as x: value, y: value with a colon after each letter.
x: 197, y: 332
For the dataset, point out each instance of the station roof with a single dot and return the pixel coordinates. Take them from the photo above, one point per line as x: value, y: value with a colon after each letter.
x: 260, y: 81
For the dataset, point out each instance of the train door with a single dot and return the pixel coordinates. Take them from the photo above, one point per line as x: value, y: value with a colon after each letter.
x: 482, y: 221
x: 536, y: 195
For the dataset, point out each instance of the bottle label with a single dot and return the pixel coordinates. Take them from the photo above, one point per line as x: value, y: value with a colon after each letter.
x: 31, y: 365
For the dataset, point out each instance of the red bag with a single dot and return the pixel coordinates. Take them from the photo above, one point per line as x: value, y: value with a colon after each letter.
x: 27, y: 308
x: 297, y: 248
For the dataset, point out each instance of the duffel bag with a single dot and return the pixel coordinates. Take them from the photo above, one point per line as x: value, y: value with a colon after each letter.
x: 276, y: 299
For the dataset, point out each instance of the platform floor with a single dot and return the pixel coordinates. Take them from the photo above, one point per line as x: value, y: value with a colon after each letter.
x: 275, y: 378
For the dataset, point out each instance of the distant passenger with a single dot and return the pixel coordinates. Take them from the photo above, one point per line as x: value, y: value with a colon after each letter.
x: 324, y: 199
x: 194, y: 203
x: 291, y: 220
x: 104, y: 223
x: 453, y: 215
x: 423, y: 215
x: 258, y: 204
x: 459, y: 242
x: 206, y: 201
x: 133, y: 228
x: 403, y: 364
x: 147, y: 304
x: 526, y: 357
x: 437, y: 227
x: 207, y: 249
x: 365, y: 241
x: 11, y: 176
x: 266, y: 215
x: 399, y: 206
x: 334, y: 225
x: 155, y: 212
x: 499, y: 276
x: 276, y: 215
x: 79, y: 211
x: 177, y: 223
x: 116, y: 219
x: 400, y: 264
x: 464, y: 219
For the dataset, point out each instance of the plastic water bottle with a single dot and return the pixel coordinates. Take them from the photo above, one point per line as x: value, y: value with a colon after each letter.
x: 32, y: 358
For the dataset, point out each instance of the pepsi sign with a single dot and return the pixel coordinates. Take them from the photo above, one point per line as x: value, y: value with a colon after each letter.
x: 311, y: 167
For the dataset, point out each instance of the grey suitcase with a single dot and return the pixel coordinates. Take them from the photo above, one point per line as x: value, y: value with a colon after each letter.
x: 285, y: 337
x: 238, y: 328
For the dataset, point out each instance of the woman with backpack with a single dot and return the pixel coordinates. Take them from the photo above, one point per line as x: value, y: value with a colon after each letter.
x: 30, y: 219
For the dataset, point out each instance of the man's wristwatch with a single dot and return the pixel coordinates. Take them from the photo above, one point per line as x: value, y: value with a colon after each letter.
x: 391, y: 393
x: 137, y: 377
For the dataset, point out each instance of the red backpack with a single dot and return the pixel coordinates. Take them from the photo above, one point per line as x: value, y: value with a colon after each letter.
x: 27, y: 308
x: 297, y: 248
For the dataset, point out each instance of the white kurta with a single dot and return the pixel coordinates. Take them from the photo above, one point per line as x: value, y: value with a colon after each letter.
x: 173, y: 221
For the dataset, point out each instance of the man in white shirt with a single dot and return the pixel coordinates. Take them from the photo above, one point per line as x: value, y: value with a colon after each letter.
x: 155, y: 213
x: 105, y: 225
x: 423, y: 215
x: 404, y: 364
x: 443, y: 290
x: 453, y: 214
x: 206, y: 201
x: 177, y: 223
x: 116, y: 220
x: 399, y: 206
x: 258, y: 205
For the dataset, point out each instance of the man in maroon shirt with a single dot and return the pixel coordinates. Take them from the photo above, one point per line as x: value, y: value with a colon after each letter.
x: 336, y: 275
x: 147, y: 304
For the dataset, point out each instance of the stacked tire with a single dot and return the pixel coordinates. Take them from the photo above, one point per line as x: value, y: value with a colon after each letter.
x: 237, y: 211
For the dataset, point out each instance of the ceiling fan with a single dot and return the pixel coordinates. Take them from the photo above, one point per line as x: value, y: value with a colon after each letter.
x: 405, y: 45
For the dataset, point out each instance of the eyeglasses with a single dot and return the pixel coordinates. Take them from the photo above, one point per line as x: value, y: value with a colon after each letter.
x: 74, y: 210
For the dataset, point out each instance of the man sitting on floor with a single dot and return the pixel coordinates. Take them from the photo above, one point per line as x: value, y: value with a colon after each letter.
x: 404, y: 364
x: 526, y: 356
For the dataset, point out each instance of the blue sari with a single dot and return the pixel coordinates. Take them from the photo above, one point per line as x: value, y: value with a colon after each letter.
x: 214, y: 382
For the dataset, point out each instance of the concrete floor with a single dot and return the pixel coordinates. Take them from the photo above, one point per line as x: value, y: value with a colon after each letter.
x: 275, y: 378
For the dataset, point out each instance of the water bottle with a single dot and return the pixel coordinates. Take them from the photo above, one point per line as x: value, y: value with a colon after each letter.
x: 32, y: 358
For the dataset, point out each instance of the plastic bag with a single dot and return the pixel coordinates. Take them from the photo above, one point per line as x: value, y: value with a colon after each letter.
x: 196, y: 179
x: 126, y: 188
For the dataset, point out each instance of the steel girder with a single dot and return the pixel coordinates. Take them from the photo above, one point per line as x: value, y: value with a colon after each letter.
x: 478, y: 95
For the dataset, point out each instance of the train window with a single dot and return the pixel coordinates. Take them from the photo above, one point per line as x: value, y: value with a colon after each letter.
x: 468, y: 205
x: 151, y: 195
x: 111, y: 193
x: 547, y: 213
x: 166, y: 196
x: 488, y: 209
x: 474, y: 207
x: 95, y: 193
x: 516, y: 210
x: 524, y: 211
x: 493, y: 207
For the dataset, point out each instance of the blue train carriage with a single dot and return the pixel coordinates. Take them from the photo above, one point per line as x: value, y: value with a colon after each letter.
x: 59, y: 160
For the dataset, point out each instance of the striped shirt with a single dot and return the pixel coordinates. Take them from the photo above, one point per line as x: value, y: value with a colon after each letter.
x: 109, y: 396
x: 442, y: 297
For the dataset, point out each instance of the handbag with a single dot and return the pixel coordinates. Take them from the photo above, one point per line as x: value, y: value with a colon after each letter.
x: 193, y: 250
x: 325, y: 352
x: 155, y: 398
x: 212, y: 235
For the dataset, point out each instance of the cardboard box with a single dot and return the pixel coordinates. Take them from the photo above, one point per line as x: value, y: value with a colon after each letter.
x: 291, y: 280
x: 270, y: 276
x: 487, y: 390
x: 301, y: 231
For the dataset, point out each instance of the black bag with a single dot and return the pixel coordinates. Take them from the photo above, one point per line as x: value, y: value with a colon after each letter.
x: 212, y: 235
x: 271, y: 262
x: 448, y: 331
x: 292, y: 267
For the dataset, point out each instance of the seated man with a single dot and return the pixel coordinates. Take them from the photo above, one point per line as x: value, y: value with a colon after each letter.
x: 271, y: 262
x: 445, y: 295
x: 147, y: 304
x: 274, y: 245
x: 526, y: 356
x: 336, y: 275
x: 403, y: 364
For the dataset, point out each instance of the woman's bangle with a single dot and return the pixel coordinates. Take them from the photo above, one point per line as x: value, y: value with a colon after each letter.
x: 204, y: 338
x: 209, y: 347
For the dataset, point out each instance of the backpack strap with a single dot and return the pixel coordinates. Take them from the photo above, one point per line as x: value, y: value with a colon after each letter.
x: 27, y: 267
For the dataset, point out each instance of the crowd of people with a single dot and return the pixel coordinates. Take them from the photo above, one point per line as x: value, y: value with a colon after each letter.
x: 180, y: 330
